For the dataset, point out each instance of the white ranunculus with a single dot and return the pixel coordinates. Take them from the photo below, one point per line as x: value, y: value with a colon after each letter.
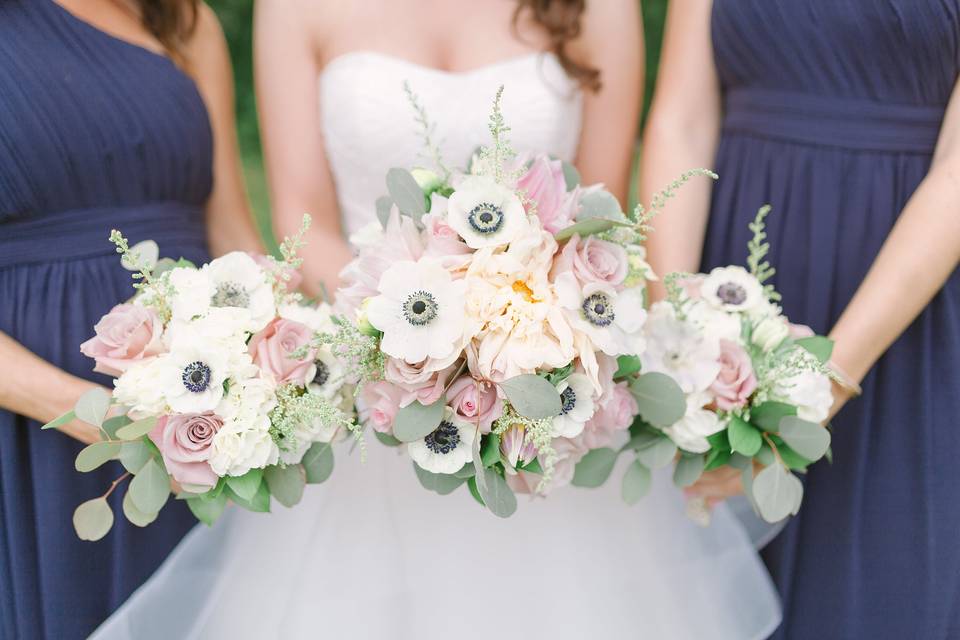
x: 691, y: 431
x: 447, y: 448
x: 420, y: 311
x: 732, y: 289
x: 193, y: 289
x: 576, y: 397
x: 680, y: 349
x: 486, y: 214
x: 770, y: 333
x: 239, y: 282
x: 138, y: 389
x: 612, y: 320
x: 809, y: 391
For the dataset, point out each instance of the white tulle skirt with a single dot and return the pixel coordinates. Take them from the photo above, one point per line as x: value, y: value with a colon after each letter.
x: 371, y: 554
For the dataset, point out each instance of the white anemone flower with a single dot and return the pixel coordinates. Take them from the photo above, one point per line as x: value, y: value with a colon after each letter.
x: 732, y: 289
x: 612, y: 320
x: 680, y: 349
x: 191, y: 376
x: 485, y: 213
x: 240, y: 283
x: 327, y: 374
x: 447, y: 448
x: 420, y: 310
x: 577, y: 406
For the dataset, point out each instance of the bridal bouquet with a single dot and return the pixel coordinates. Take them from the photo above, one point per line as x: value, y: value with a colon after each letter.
x: 755, y: 388
x: 503, y: 301
x: 222, y: 387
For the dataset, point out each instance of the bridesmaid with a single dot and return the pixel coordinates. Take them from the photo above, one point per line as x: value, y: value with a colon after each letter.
x: 110, y: 112
x: 845, y: 116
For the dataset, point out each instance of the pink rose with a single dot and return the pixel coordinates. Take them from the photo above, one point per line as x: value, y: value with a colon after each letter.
x: 422, y: 381
x: 736, y: 380
x: 545, y: 185
x: 486, y: 406
x: 378, y: 405
x: 294, y: 277
x: 443, y: 242
x: 184, y: 441
x: 127, y: 335
x: 615, y: 414
x: 593, y: 261
x: 271, y: 350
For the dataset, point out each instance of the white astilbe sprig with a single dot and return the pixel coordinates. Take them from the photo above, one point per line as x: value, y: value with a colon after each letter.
x: 758, y: 248
x: 359, y: 353
x: 538, y: 433
x: 427, y: 132
x: 495, y: 157
x: 641, y: 217
x: 295, y: 408
x: 153, y: 291
x: 282, y: 270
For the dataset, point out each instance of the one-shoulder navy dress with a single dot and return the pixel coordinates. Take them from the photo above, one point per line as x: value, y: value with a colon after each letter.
x: 95, y: 133
x: 832, y: 112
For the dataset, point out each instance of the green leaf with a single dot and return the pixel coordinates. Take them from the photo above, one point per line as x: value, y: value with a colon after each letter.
x: 532, y: 396
x: 490, y: 450
x: 246, y: 485
x: 208, y: 509
x: 765, y: 455
x: 716, y: 459
x: 416, y: 421
x: 406, y: 193
x: 466, y: 471
x: 474, y: 491
x: 587, y: 227
x: 112, y: 425
x: 134, y: 515
x: 659, y: 398
x: 56, y: 423
x: 95, y: 455
x: 627, y: 366
x: 819, y: 346
x: 594, y: 468
x: 137, y: 429
x: 92, y: 406
x: 808, y: 439
x: 150, y: 488
x: 260, y: 503
x: 688, y: 470
x: 496, y: 495
x: 767, y: 416
x: 744, y: 437
x: 777, y: 493
x: 792, y: 459
x: 643, y: 438
x: 318, y: 462
x: 133, y: 455
x: 386, y: 438
x: 93, y: 519
x: 570, y: 175
x: 384, y: 204
x: 533, y: 467
x: 719, y: 440
x: 636, y: 482
x: 441, y: 483
x: 600, y: 205
x: 285, y: 483
x: 659, y: 453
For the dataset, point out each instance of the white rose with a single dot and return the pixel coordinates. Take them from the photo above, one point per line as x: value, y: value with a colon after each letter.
x: 809, y: 391
x: 770, y: 333
x: 691, y: 431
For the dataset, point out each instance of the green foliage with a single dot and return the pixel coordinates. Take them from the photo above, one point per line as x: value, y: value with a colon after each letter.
x: 532, y: 396
x: 688, y: 470
x: 94, y: 455
x: 246, y: 485
x: 150, y: 488
x: 92, y: 406
x: 595, y: 467
x: 636, y: 482
x: 286, y: 483
x: 440, y: 483
x: 659, y: 398
x: 93, y: 519
x: 416, y: 420
x: 318, y: 462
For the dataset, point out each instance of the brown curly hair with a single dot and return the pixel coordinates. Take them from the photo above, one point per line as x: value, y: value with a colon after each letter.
x: 171, y: 22
x: 561, y: 19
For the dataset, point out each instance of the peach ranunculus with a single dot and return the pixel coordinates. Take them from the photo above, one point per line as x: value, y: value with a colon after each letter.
x: 185, y: 441
x: 378, y: 405
x: 271, y: 349
x: 475, y: 400
x: 736, y: 380
x: 129, y: 334
x: 592, y: 260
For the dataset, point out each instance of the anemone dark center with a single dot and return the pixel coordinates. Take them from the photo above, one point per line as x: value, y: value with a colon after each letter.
x: 196, y: 377
x: 230, y: 294
x: 568, y: 400
x: 420, y: 308
x: 731, y: 293
x: 443, y: 439
x: 323, y: 373
x: 598, y: 310
x: 485, y: 218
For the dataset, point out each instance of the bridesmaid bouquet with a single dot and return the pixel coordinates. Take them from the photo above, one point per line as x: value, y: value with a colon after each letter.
x: 755, y: 388
x: 223, y: 387
x: 500, y: 299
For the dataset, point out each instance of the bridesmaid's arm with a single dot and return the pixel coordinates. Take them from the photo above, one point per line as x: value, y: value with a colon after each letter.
x: 229, y: 221
x: 681, y: 134
x: 287, y: 77
x: 610, y: 115
x: 40, y: 390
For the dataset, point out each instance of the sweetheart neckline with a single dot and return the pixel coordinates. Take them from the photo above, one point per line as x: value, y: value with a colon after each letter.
x: 345, y: 57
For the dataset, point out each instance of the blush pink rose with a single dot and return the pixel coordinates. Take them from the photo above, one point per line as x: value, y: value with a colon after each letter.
x: 736, y: 380
x: 443, y: 242
x: 294, y: 277
x: 422, y: 381
x: 184, y: 441
x: 544, y: 184
x: 593, y: 261
x: 486, y: 406
x: 615, y: 414
x: 271, y: 350
x: 378, y: 405
x: 127, y: 335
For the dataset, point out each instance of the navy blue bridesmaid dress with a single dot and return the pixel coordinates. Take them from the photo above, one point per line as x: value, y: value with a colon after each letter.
x: 95, y: 133
x: 832, y: 111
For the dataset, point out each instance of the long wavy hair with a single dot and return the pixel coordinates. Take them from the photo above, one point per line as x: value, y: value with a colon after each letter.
x: 171, y: 22
x: 561, y: 19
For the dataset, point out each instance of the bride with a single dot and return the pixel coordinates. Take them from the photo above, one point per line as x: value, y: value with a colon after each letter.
x: 370, y: 553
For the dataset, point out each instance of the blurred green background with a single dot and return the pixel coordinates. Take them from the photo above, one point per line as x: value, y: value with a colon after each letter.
x: 237, y: 19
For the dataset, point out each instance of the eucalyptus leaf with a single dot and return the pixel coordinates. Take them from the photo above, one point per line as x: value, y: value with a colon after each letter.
x: 600, y: 205
x: 745, y: 439
x: 150, y: 488
x: 56, y: 423
x: 767, y: 416
x: 739, y: 461
x: 765, y: 455
x: 147, y: 253
x: 496, y: 494
x: 587, y: 227
x: 441, y: 483
x: 776, y: 492
x: 716, y: 459
x: 246, y: 485
x: 474, y: 491
x: 636, y: 482
x: 93, y: 519
x: 660, y: 400
x: 95, y: 455
x: 286, y: 483
x: 533, y: 467
x: 92, y: 406
x: 466, y: 471
x: 384, y: 204
x: 114, y: 424
x: 819, y: 346
x: 416, y: 421
x: 490, y: 450
x: 658, y: 454
x: 137, y: 429
x: 208, y: 509
x: 644, y: 438
x: 627, y: 366
x: 594, y: 468
x: 386, y: 439
x: 746, y: 480
x: 406, y: 193
x: 809, y: 439
x: 260, y: 503
x: 791, y: 458
x: 318, y: 462
x: 532, y: 396
x: 570, y: 175
x: 134, y: 515
x: 133, y: 455
x: 688, y: 470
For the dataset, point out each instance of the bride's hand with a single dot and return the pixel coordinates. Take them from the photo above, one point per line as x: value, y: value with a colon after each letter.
x: 716, y: 486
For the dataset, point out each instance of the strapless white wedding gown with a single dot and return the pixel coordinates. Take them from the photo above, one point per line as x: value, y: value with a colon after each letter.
x: 370, y: 553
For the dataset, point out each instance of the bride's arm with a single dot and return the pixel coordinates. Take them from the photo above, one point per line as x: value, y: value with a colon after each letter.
x: 287, y: 77
x: 612, y: 43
